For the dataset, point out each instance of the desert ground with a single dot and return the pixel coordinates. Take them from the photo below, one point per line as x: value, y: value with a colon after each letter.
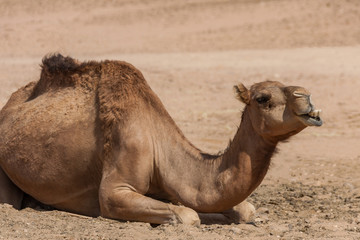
x: 192, y: 53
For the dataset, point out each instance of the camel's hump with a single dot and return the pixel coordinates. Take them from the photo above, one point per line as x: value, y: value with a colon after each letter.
x: 58, y: 64
x: 59, y: 72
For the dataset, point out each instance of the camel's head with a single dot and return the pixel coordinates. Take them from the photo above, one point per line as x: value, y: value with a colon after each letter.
x: 277, y: 111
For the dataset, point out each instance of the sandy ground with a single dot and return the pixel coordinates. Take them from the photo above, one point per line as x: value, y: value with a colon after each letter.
x: 192, y: 53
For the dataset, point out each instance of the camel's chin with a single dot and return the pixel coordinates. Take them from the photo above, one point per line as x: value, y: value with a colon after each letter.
x: 311, y: 119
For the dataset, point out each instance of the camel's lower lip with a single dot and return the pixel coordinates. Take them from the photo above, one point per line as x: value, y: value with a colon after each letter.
x: 312, y: 118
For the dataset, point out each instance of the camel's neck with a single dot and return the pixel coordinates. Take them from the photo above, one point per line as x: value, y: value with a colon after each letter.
x: 209, y: 184
x: 245, y: 163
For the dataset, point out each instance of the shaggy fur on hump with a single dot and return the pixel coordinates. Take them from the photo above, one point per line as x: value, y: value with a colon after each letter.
x: 119, y: 88
x: 59, y: 72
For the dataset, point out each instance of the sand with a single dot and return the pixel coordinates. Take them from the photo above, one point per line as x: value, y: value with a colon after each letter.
x: 192, y: 53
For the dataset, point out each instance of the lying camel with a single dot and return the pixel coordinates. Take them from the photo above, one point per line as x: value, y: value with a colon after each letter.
x: 92, y: 138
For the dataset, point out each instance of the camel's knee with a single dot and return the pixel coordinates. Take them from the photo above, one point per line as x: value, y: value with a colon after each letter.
x: 110, y: 205
x: 243, y: 212
x: 185, y: 215
x: 9, y: 192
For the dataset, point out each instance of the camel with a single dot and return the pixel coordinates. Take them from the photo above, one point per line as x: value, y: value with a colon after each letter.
x: 92, y: 138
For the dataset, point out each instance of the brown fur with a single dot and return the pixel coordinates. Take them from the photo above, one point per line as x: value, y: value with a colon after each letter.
x: 119, y: 87
x: 94, y: 139
x: 58, y: 72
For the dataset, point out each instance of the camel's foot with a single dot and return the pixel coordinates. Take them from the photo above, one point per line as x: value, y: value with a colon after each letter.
x: 241, y: 213
x: 185, y: 215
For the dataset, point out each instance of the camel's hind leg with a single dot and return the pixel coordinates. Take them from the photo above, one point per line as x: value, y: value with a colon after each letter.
x: 9, y: 192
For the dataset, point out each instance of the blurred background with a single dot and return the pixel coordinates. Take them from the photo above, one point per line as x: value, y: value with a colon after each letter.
x: 93, y: 28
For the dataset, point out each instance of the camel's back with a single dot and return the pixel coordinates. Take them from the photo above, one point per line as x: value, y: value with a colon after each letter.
x: 61, y: 101
x: 53, y: 132
x: 70, y: 93
x: 69, y: 96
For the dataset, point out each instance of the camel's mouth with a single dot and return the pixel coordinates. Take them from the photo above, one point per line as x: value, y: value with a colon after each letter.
x: 312, y: 118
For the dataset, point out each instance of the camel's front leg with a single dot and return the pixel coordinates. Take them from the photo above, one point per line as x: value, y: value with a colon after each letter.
x: 124, y: 203
x: 241, y: 213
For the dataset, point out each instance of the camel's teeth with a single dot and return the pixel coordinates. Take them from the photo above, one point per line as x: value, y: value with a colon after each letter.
x: 315, y: 113
x: 312, y: 114
x: 318, y: 112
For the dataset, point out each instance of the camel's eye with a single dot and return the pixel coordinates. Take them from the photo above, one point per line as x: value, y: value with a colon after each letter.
x: 263, y: 99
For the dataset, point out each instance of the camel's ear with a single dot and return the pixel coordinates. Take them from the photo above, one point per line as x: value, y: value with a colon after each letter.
x: 242, y: 93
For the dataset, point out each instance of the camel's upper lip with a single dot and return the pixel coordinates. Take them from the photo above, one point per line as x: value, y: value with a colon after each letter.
x: 311, y: 118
